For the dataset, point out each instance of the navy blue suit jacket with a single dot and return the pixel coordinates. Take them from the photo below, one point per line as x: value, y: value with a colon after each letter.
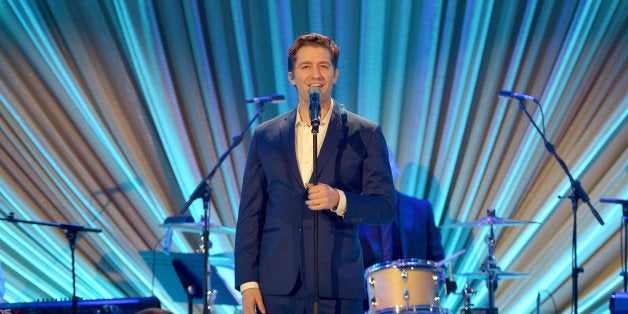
x: 274, y: 232
x: 413, y: 234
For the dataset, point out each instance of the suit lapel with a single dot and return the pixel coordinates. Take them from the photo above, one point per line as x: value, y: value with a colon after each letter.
x: 334, y: 135
x: 286, y: 134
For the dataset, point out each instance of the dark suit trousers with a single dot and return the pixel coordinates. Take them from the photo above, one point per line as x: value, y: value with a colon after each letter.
x: 298, y: 302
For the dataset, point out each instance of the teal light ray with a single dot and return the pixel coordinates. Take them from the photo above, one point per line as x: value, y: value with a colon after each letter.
x: 472, y: 42
x: 200, y: 51
x: 571, y: 50
x: 243, y: 56
x: 443, y: 52
x: 157, y: 89
x: 31, y: 250
x: 424, y: 68
x: 412, y: 182
x: 371, y: 49
x: 95, y: 290
x: 281, y: 39
x: 396, y: 73
x: 49, y: 51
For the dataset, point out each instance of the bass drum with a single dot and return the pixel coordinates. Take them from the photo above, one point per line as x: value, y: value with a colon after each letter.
x: 404, y: 286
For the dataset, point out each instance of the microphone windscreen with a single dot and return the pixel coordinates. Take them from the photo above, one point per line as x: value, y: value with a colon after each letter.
x: 314, y: 89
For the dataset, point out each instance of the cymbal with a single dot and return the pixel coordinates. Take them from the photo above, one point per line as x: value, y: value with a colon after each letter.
x: 197, y: 227
x: 490, y: 220
x: 498, y: 274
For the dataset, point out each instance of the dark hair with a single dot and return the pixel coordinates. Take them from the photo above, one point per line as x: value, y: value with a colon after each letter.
x: 313, y: 39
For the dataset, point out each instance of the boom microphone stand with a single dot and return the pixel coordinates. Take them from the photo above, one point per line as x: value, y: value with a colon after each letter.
x: 71, y: 232
x: 578, y: 194
x: 203, y: 191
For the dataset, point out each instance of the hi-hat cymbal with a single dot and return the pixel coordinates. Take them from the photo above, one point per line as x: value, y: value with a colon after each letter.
x: 197, y: 227
x: 498, y: 274
x: 490, y: 220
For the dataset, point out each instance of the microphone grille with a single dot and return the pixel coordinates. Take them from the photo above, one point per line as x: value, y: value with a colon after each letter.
x: 314, y: 89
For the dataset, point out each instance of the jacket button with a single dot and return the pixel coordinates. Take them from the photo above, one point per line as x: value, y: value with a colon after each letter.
x: 299, y: 229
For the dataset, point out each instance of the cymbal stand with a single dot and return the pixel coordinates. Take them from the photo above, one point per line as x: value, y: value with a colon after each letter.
x: 208, y: 295
x: 203, y: 191
x: 467, y: 292
x: 71, y: 233
x: 624, y: 247
x: 490, y: 267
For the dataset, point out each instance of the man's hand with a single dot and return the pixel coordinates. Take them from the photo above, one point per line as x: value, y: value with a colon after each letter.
x: 321, y: 196
x: 251, y: 298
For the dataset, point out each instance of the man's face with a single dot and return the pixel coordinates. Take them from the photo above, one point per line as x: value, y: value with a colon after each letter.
x: 313, y: 66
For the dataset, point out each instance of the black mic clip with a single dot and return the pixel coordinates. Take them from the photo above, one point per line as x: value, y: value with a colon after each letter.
x: 513, y: 95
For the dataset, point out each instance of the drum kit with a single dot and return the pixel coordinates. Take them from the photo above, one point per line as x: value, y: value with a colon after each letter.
x: 412, y: 285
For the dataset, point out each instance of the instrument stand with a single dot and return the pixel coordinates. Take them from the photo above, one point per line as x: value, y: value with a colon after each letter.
x: 203, y: 191
x: 71, y: 233
x: 314, y: 180
x: 578, y: 194
x: 490, y: 266
x: 467, y: 292
x: 624, y: 272
x: 623, y: 253
x: 208, y: 293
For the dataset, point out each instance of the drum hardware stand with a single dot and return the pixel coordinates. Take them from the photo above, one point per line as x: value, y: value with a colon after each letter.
x: 71, y: 233
x: 577, y: 195
x: 623, y: 254
x: 467, y: 292
x: 490, y: 266
x: 203, y: 191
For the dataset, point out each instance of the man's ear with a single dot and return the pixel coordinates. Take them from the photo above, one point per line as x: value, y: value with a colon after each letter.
x: 291, y: 78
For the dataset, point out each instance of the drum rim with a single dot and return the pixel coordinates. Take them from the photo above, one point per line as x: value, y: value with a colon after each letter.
x: 402, y: 263
x: 413, y: 308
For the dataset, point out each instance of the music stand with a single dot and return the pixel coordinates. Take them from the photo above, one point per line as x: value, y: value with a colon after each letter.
x: 181, y: 275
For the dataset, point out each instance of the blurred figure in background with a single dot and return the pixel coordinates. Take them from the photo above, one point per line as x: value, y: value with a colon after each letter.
x: 413, y: 233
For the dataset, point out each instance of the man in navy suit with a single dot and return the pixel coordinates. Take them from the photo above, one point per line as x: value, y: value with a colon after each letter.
x: 413, y: 233
x: 274, y: 246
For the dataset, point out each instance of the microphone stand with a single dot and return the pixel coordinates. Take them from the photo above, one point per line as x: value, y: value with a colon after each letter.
x: 203, y: 190
x: 71, y: 233
x: 314, y: 180
x: 577, y: 194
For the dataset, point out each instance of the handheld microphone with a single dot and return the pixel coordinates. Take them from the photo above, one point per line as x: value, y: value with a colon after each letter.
x: 275, y: 99
x: 614, y: 200
x: 315, y: 105
x: 511, y: 94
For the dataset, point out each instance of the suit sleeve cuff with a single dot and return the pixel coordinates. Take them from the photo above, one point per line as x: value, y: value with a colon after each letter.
x: 248, y: 285
x: 341, y: 209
